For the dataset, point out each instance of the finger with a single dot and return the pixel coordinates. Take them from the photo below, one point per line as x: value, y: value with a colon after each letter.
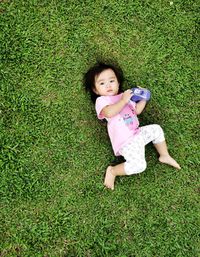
x: 129, y: 91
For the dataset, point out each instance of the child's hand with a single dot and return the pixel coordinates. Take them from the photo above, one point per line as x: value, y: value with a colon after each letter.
x: 127, y: 96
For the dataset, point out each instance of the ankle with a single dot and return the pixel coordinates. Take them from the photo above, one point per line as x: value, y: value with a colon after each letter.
x: 112, y: 170
x: 164, y: 155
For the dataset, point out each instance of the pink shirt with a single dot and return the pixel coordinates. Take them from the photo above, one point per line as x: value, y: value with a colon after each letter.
x: 123, y: 126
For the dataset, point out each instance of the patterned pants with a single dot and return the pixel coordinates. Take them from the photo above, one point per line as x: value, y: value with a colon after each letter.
x: 134, y: 151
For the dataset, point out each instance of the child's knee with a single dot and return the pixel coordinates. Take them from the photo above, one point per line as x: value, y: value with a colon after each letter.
x: 135, y: 168
x: 159, y: 134
x: 140, y: 167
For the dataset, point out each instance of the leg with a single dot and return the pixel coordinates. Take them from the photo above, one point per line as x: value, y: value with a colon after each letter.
x: 111, y: 173
x: 165, y: 156
x: 134, y: 154
x: 155, y: 134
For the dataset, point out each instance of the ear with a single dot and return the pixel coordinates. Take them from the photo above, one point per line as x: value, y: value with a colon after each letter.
x: 95, y: 91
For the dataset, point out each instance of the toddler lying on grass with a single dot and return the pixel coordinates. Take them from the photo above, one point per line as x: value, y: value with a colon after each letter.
x: 104, y: 83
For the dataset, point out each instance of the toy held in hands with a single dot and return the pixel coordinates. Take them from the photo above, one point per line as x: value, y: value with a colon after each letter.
x: 140, y: 94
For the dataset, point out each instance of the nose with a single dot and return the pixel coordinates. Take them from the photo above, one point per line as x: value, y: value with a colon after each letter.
x: 108, y: 84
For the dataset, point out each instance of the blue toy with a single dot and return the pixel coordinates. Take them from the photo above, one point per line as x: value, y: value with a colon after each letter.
x: 140, y: 94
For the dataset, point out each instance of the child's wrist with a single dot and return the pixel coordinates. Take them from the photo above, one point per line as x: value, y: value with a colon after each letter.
x: 124, y: 102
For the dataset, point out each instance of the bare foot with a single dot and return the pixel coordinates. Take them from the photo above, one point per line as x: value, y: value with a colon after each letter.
x: 167, y: 159
x: 109, y: 180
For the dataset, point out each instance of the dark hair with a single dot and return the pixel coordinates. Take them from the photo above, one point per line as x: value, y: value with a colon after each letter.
x: 90, y: 75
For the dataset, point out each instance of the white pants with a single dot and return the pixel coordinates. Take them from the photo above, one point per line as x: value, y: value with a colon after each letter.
x: 134, y: 151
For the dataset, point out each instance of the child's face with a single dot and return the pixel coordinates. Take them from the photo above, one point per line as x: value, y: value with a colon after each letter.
x: 106, y: 83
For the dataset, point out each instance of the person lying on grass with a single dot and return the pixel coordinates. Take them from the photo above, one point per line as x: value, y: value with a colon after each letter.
x: 104, y: 83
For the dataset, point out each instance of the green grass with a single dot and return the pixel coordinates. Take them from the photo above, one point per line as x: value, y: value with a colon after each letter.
x: 54, y: 151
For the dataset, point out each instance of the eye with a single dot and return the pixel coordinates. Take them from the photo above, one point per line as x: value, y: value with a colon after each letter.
x: 111, y: 81
x: 102, y: 83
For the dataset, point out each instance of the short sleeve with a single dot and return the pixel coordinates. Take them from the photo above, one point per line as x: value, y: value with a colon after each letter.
x: 101, y: 102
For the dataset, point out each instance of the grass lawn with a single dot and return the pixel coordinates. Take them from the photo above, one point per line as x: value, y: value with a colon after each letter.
x: 54, y: 151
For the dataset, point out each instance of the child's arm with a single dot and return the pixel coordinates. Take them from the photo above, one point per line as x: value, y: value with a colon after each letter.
x: 111, y: 110
x: 140, y: 106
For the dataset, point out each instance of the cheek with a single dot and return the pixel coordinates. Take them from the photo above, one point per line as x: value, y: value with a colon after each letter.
x: 117, y: 86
